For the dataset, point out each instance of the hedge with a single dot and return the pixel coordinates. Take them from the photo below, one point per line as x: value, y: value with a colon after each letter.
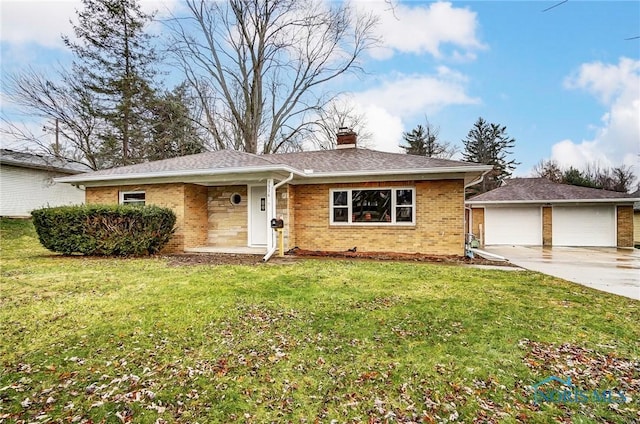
x: 111, y: 230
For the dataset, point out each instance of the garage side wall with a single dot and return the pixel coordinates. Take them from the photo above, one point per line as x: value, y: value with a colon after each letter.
x: 477, y: 223
x: 439, y: 227
x: 624, y: 220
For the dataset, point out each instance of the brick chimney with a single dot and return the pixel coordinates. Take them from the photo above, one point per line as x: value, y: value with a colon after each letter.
x: 346, y: 139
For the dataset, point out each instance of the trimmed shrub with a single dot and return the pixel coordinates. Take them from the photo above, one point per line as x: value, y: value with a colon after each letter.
x: 111, y: 230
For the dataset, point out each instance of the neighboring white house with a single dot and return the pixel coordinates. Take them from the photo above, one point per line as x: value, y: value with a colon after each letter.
x: 26, y: 183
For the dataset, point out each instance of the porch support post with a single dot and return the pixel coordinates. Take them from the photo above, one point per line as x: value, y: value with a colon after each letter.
x: 271, y: 212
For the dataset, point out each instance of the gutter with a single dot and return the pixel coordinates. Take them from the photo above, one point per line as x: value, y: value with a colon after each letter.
x: 307, y: 173
x: 82, y: 178
x: 273, y: 248
x: 551, y: 201
x: 478, y: 181
x: 410, y: 171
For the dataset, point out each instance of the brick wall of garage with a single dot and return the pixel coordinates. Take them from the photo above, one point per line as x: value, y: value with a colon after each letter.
x: 547, y: 226
x: 624, y: 222
x: 439, y: 227
x: 477, y: 223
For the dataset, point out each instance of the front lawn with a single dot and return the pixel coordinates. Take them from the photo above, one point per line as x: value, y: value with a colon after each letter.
x: 139, y: 340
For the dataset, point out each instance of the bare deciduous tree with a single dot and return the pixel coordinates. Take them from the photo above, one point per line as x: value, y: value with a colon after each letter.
x: 67, y: 102
x: 258, y: 66
x: 548, y: 169
x: 335, y: 115
x: 619, y: 178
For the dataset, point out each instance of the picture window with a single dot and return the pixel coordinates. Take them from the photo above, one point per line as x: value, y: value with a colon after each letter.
x: 379, y: 206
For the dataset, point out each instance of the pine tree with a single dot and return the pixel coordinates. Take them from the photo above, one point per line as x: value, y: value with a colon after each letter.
x: 113, y: 59
x: 423, y: 141
x: 489, y: 144
x: 173, y: 132
x: 416, y: 140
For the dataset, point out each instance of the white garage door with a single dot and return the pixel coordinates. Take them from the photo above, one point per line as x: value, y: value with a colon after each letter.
x: 517, y: 226
x: 584, y: 226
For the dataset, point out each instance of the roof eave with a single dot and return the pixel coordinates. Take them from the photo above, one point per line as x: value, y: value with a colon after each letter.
x: 88, y: 178
x: 411, y: 171
x: 543, y: 201
x: 79, y: 179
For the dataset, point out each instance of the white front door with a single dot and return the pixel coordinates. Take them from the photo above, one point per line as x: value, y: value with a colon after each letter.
x: 258, y: 216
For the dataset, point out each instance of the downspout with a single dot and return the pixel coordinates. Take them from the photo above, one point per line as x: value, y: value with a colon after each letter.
x: 478, y: 181
x: 272, y: 214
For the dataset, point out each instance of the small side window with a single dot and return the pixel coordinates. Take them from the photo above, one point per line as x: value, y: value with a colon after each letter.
x: 136, y: 198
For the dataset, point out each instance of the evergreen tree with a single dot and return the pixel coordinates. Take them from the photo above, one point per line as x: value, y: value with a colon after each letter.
x: 114, y: 60
x: 173, y: 132
x: 489, y: 144
x: 574, y: 176
x: 423, y: 141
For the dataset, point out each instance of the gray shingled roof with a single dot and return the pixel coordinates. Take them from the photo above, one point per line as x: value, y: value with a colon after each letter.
x: 541, y: 189
x: 345, y: 160
x: 221, y: 159
x: 318, y: 162
x: 34, y: 161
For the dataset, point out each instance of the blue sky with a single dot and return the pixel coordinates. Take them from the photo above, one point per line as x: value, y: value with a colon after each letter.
x: 565, y: 83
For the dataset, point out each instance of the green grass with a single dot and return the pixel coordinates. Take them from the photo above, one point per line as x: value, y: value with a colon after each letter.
x: 137, y: 340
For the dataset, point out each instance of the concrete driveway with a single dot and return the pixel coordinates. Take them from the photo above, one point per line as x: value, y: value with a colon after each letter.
x: 608, y: 269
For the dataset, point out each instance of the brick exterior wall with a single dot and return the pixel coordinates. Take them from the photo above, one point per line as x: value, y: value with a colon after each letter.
x: 477, y: 223
x: 196, y: 215
x: 227, y: 222
x: 624, y: 217
x: 186, y: 200
x: 439, y: 227
x: 636, y: 227
x: 547, y: 226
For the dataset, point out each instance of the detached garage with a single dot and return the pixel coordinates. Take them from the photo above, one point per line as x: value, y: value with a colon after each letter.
x: 536, y: 211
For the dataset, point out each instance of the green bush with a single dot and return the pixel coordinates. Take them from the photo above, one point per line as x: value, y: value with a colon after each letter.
x: 104, y: 230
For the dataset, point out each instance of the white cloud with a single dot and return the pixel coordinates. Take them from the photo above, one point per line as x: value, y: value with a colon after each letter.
x: 43, y: 22
x: 386, y: 129
x: 407, y: 96
x: 37, y: 21
x: 424, y: 28
x: 403, y: 97
x: 617, y: 136
x: 607, y: 81
x: 567, y: 153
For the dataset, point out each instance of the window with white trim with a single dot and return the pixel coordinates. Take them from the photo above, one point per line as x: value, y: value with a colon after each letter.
x: 373, y: 206
x: 136, y: 198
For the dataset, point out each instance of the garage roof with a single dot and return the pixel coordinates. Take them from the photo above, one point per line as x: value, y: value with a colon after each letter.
x: 532, y: 190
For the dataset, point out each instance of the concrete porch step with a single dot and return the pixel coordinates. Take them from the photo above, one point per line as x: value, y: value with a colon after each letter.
x: 240, y: 250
